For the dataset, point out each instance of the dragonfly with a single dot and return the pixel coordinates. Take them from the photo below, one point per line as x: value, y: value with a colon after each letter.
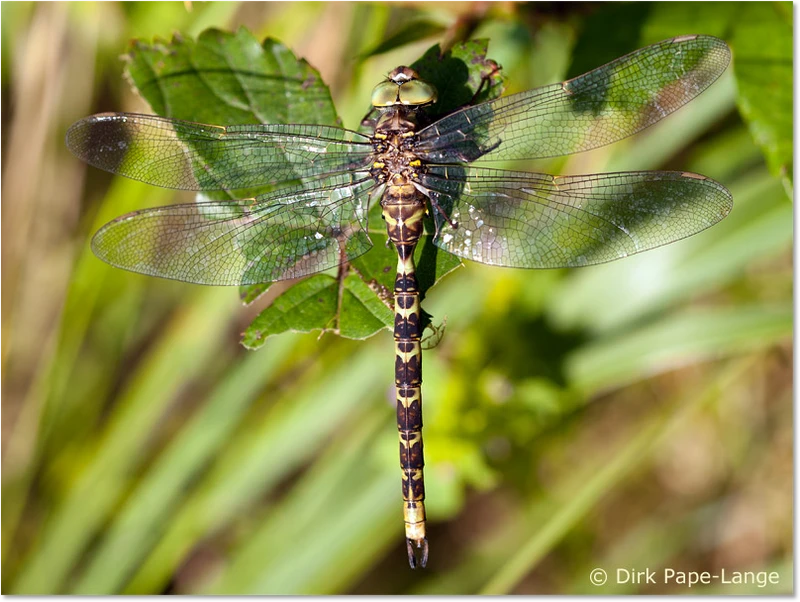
x: 324, y: 179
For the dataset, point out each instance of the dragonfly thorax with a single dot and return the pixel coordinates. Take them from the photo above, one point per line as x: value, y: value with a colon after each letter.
x: 393, y: 139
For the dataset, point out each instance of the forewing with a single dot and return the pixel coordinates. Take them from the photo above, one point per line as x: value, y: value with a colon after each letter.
x: 600, y: 107
x: 290, y: 233
x: 529, y: 220
x: 190, y: 156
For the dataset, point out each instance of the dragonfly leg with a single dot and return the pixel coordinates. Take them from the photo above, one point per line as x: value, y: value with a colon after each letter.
x: 438, y: 208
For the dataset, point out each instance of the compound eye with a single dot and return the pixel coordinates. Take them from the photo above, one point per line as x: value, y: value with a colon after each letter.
x: 417, y: 92
x: 385, y: 94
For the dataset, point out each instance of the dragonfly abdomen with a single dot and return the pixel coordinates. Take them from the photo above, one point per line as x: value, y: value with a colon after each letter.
x: 404, y: 210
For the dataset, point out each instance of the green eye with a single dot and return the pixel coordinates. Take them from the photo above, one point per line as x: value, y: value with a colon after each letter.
x: 416, y: 92
x: 413, y: 92
x: 384, y: 94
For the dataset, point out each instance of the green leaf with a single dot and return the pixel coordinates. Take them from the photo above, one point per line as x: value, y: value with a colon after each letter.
x: 315, y: 304
x: 463, y: 75
x: 251, y: 292
x: 762, y: 43
x: 362, y: 312
x: 309, y: 305
x: 229, y: 79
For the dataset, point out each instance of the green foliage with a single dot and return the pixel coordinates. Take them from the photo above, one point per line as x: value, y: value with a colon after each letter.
x: 626, y: 415
x: 763, y: 39
x: 314, y: 303
x: 228, y: 79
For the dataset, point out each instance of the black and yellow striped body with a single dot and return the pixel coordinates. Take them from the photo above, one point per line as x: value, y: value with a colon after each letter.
x: 404, y: 209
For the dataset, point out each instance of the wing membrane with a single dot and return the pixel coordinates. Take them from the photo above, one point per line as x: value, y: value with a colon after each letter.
x: 600, y: 107
x: 530, y: 220
x: 190, y: 156
x: 286, y: 234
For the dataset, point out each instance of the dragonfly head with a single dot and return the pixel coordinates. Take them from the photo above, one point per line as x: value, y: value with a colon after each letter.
x: 403, y: 87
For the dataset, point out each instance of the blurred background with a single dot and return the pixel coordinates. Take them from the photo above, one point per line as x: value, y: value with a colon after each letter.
x: 631, y: 415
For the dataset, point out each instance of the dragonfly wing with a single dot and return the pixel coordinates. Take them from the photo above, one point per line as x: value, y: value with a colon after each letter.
x: 597, y: 108
x: 191, y: 156
x: 529, y: 220
x: 289, y: 233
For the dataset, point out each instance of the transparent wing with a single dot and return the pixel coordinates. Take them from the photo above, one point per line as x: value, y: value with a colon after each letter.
x: 290, y: 233
x: 191, y: 156
x: 600, y: 107
x: 529, y: 220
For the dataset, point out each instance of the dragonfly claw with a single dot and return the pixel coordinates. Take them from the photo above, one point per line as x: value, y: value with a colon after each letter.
x: 417, y: 552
